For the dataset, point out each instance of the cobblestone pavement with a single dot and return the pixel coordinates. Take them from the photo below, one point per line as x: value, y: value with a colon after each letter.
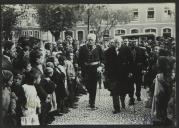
x: 103, y: 115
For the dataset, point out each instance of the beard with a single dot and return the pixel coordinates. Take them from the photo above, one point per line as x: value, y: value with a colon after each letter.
x: 90, y: 46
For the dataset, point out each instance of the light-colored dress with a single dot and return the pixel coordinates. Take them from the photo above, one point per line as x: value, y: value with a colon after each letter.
x: 30, y: 117
x: 53, y: 101
x: 162, y: 94
x: 70, y: 70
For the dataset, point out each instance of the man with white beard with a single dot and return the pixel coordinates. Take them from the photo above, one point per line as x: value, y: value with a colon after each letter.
x: 118, y: 59
x: 90, y: 61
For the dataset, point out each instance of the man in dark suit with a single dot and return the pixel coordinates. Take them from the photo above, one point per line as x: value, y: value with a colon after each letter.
x: 125, y: 73
x: 110, y: 61
x: 111, y: 74
x: 90, y: 58
x: 118, y: 59
x: 138, y: 66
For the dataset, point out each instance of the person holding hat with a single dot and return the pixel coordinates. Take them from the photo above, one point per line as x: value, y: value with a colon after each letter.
x: 118, y: 59
x: 90, y: 58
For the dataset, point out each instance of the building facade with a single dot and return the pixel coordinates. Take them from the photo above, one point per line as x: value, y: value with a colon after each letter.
x: 147, y: 18
x: 27, y: 25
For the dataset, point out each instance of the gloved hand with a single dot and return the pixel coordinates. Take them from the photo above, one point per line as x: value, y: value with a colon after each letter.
x: 99, y: 69
x: 143, y: 71
x: 130, y: 75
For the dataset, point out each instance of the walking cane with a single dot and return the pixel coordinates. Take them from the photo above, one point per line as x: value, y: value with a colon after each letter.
x: 134, y: 109
x: 99, y: 82
x: 99, y: 94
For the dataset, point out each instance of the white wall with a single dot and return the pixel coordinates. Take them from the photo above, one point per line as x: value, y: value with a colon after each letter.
x: 47, y: 36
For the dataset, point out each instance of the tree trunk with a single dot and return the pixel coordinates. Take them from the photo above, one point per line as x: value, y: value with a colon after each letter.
x: 88, y: 20
x: 56, y: 35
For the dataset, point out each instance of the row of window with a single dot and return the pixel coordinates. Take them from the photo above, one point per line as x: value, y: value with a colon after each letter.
x: 35, y: 33
x: 26, y: 16
x: 150, y: 13
x: 166, y: 31
x: 80, y: 34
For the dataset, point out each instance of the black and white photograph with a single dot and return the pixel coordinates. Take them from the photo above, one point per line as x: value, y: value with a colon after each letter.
x: 88, y: 64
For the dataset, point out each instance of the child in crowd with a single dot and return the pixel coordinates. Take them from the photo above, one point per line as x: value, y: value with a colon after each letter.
x: 62, y: 69
x: 58, y: 78
x: 31, y: 108
x: 50, y: 86
x: 162, y: 91
x: 48, y: 48
x: 53, y: 95
x: 18, y: 90
x: 26, y: 66
x: 37, y: 60
x: 8, y: 100
x: 71, y: 81
x: 49, y: 101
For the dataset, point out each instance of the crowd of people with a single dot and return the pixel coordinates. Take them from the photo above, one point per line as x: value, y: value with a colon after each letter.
x: 148, y: 64
x: 42, y: 80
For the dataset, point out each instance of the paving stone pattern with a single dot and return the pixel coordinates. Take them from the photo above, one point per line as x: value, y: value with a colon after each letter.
x: 133, y: 115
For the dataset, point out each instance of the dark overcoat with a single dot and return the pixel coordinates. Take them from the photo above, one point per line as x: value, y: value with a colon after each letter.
x: 124, y: 61
x: 139, y: 63
x: 89, y: 73
x: 117, y: 69
x: 110, y: 61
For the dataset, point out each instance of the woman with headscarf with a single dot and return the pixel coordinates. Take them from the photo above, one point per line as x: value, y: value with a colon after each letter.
x: 8, y: 100
x: 162, y: 91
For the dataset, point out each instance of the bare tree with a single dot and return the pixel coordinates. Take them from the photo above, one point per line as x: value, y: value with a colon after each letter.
x: 9, y: 19
x: 100, y: 18
x: 56, y: 18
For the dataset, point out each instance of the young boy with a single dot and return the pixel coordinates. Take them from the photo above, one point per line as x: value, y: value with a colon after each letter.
x: 48, y: 101
x: 71, y: 75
